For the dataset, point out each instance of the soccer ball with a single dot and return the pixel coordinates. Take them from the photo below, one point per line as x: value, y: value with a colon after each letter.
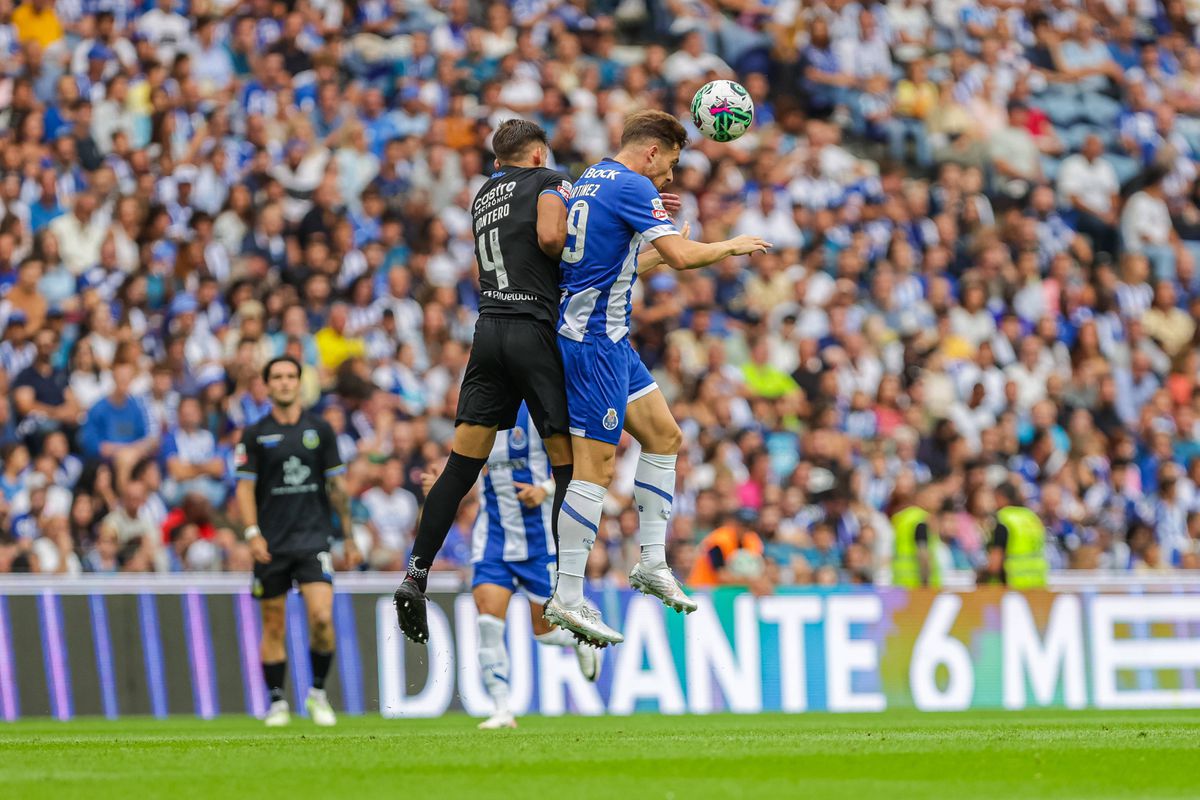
x: 722, y: 110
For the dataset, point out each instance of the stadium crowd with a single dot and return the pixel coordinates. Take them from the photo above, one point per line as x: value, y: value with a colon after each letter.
x: 986, y: 222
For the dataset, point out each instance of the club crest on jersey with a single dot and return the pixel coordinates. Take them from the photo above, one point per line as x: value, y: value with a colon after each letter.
x: 310, y: 439
x: 516, y: 438
x: 610, y: 420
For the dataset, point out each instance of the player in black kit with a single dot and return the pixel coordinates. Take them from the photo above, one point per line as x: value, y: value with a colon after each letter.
x: 290, y: 483
x: 520, y: 225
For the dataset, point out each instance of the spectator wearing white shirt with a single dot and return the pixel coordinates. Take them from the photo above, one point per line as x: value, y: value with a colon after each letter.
x: 866, y: 55
x: 1088, y: 185
x: 393, y: 517
x: 212, y: 67
x: 691, y: 63
x: 165, y: 29
x: 1030, y: 373
x: 201, y: 346
x: 1146, y: 225
x: 770, y: 220
x: 80, y: 234
x: 971, y: 320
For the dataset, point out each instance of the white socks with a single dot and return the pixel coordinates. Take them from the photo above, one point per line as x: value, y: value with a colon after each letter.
x: 578, y: 522
x: 493, y: 660
x: 654, y: 491
x: 556, y: 638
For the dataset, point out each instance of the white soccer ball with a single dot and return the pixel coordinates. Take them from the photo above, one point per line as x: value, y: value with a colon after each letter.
x: 722, y: 110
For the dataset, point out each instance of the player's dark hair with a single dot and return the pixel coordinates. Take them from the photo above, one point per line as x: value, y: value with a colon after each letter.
x: 514, y: 137
x: 280, y: 360
x: 656, y: 126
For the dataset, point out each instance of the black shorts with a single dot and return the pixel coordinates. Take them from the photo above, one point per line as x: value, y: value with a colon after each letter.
x: 514, y: 359
x: 276, y: 577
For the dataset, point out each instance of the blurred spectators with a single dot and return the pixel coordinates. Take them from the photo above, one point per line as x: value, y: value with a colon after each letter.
x: 986, y: 219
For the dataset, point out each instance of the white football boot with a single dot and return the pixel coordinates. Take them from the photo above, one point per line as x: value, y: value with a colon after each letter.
x: 583, y: 621
x: 660, y: 582
x: 589, y: 661
x: 498, y: 721
x: 278, y: 714
x: 317, y: 705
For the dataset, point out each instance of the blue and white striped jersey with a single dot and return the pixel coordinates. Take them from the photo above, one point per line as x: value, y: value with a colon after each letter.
x: 612, y: 212
x: 505, y: 529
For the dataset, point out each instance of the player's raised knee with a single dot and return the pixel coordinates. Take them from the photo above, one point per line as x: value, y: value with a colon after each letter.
x: 666, y: 438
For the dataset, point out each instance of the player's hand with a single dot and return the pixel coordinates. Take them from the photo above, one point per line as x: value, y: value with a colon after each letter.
x: 258, y: 549
x: 746, y: 244
x: 686, y: 230
x: 429, y: 478
x: 351, y: 553
x: 671, y: 202
x: 531, y: 496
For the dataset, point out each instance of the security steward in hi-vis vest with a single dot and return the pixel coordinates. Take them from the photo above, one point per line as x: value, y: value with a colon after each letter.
x: 917, y: 559
x: 719, y: 548
x: 1017, y: 549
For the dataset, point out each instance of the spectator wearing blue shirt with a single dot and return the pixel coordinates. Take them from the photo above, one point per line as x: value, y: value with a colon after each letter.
x: 15, y: 457
x: 326, y: 115
x: 117, y: 428
x: 1135, y: 386
x: 823, y: 84
x: 380, y: 123
x: 367, y: 220
x: 1122, y: 45
x: 47, y: 207
x: 824, y: 550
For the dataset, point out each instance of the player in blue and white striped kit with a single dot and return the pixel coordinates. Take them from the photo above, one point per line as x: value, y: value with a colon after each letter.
x: 512, y: 547
x: 615, y: 207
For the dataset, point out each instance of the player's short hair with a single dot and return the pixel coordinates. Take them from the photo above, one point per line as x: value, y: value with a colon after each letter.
x: 514, y: 137
x: 654, y: 126
x: 266, y: 373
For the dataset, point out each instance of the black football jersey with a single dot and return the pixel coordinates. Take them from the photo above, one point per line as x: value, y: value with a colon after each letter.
x: 289, y: 464
x: 515, y: 277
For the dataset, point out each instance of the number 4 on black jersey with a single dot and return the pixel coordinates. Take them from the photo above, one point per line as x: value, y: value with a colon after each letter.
x: 515, y: 355
x: 516, y: 277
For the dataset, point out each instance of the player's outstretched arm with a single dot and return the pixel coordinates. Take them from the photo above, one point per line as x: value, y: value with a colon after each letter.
x: 551, y: 224
x: 651, y: 260
x: 680, y: 253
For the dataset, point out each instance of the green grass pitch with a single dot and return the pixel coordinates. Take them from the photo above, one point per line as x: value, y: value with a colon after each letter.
x: 893, y: 756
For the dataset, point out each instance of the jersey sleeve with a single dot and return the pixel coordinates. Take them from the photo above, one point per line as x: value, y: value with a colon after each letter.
x: 641, y: 207
x: 245, y: 456
x: 555, y: 184
x: 331, y: 459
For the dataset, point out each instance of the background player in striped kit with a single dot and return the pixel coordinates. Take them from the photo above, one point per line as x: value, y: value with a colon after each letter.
x: 512, y: 547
